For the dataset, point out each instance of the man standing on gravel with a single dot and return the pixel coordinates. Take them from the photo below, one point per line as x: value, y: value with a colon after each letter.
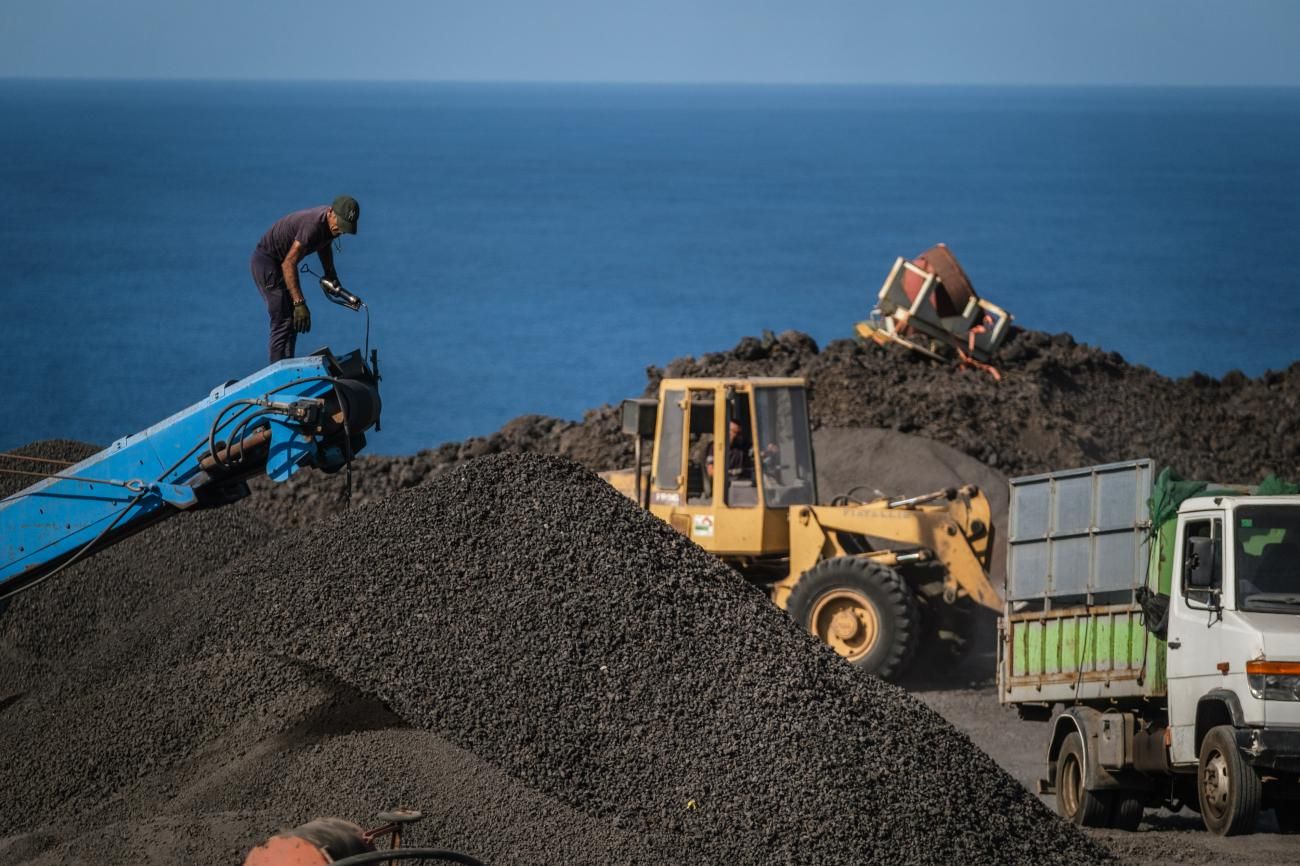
x: 275, y: 265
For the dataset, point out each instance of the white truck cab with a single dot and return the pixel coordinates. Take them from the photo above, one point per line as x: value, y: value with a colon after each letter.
x: 1234, y: 622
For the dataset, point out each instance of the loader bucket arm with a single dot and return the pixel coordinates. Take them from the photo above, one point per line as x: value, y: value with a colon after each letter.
x: 956, y: 532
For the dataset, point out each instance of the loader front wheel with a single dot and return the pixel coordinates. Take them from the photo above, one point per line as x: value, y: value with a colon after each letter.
x: 863, y: 610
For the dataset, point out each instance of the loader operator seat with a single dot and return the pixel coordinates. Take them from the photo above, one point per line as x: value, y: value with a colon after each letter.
x: 741, y: 490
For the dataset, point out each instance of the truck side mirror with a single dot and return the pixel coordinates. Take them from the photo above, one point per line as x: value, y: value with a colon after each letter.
x: 1199, y: 566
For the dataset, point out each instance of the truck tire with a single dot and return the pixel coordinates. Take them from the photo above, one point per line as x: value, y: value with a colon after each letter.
x: 1075, y: 802
x: 1126, y: 811
x: 1228, y: 787
x: 863, y: 610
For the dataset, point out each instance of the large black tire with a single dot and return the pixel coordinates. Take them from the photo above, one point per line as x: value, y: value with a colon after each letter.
x: 863, y: 610
x: 1229, y: 789
x: 1075, y: 802
x: 1126, y: 811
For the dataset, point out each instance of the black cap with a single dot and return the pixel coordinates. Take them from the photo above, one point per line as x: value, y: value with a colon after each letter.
x: 347, y: 211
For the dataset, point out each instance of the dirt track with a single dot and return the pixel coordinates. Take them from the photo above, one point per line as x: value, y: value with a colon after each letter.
x: 967, y: 698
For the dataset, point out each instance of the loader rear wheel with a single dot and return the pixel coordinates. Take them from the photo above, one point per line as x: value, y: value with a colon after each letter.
x: 863, y: 610
x: 1074, y: 801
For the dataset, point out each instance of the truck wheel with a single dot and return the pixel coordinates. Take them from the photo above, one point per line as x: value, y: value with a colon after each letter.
x: 1126, y: 811
x: 1229, y: 788
x: 1076, y: 803
x: 863, y: 610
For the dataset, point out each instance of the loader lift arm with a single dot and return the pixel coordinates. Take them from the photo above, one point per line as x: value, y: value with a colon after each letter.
x: 950, y: 526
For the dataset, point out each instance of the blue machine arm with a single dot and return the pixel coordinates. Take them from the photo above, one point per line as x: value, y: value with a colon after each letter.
x: 299, y: 412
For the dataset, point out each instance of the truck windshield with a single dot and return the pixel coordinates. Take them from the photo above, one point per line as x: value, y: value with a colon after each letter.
x: 1267, y: 552
x: 784, y: 447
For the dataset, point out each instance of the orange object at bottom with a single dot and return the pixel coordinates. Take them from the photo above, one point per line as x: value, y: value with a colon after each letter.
x: 316, y: 843
x: 287, y: 851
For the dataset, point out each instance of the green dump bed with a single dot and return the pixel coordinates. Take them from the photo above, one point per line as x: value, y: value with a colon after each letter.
x: 1072, y: 630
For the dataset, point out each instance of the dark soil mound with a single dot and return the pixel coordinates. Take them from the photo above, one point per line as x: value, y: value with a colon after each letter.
x: 78, y: 617
x: 641, y: 703
x: 522, y: 608
x: 1059, y: 404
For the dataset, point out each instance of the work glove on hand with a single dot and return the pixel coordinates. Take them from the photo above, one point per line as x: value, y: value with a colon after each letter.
x: 301, y: 317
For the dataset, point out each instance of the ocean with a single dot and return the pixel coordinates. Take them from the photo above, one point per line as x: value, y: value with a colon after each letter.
x: 532, y: 248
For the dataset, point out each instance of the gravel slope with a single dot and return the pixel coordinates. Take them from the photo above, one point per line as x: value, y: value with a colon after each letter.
x: 524, y: 612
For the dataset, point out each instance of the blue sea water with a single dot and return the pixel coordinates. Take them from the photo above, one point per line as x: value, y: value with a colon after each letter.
x: 534, y: 248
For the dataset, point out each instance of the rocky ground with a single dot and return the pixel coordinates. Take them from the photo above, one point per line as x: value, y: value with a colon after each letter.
x: 556, y: 677
x: 967, y: 698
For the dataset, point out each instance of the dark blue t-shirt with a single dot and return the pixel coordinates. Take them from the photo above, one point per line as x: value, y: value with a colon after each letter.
x: 308, y: 227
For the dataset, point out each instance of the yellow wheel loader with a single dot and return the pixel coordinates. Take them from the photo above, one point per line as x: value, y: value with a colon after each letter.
x: 731, y: 467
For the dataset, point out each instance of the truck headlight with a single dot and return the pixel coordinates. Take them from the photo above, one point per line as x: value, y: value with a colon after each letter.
x: 1274, y: 681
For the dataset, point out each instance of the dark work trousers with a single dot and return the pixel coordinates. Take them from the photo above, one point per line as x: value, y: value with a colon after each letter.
x: 270, y: 282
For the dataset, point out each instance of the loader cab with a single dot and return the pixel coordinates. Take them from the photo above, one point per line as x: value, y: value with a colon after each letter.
x: 730, y: 456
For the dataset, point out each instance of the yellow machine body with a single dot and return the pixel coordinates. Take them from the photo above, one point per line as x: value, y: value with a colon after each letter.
x: 954, y: 533
x: 733, y: 517
x: 757, y: 508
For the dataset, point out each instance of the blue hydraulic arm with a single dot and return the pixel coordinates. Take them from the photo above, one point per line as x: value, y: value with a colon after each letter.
x: 296, y: 413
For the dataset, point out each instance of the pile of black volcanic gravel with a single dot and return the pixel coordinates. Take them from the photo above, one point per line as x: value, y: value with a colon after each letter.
x: 132, y: 737
x: 1059, y: 404
x: 76, y: 617
x: 639, y: 702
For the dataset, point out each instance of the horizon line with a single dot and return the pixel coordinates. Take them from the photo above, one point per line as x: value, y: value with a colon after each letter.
x: 486, y: 82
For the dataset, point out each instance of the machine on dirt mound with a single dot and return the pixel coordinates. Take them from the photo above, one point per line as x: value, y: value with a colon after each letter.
x: 294, y: 414
x: 928, y: 305
x: 732, y: 469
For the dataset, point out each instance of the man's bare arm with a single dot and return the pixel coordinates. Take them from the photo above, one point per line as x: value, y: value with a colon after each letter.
x: 290, y: 268
x: 326, y: 256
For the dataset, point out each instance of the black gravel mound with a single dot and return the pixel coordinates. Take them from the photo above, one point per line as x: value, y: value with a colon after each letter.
x: 1059, y: 404
x: 530, y: 614
x: 552, y: 673
x: 83, y: 616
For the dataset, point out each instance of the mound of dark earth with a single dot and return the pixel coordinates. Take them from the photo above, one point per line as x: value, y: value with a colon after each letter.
x: 1060, y: 404
x: 524, y: 610
x: 553, y: 673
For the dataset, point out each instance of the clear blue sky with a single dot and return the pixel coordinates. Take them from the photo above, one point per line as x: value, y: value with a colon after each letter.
x: 1180, y: 42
